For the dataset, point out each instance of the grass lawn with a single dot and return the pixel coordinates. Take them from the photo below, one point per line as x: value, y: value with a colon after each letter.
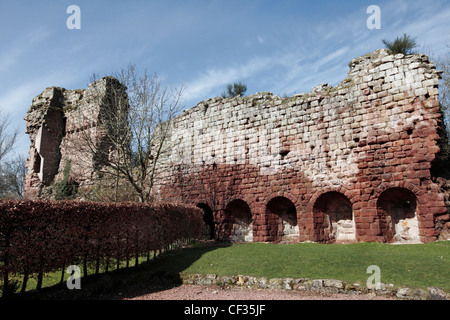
x: 418, y: 266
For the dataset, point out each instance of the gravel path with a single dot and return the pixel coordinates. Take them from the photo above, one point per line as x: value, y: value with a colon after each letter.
x: 195, y: 292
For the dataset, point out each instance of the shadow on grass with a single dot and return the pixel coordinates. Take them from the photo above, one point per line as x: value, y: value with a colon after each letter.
x: 156, y: 275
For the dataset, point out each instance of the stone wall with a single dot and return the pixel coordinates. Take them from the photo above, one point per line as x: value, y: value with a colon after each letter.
x: 338, y: 164
x: 63, y: 125
x: 348, y: 163
x: 321, y: 286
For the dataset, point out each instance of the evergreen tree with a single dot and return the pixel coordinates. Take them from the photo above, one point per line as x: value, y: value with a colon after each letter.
x: 234, y: 90
x: 404, y: 45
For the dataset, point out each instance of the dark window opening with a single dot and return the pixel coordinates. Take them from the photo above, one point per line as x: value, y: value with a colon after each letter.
x: 37, y: 163
x: 208, y: 231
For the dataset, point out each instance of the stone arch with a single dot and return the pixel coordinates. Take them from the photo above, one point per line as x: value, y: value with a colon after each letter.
x: 403, y: 185
x: 333, y: 218
x: 397, y: 209
x: 351, y: 195
x: 209, y: 226
x: 239, y: 221
x: 282, y: 220
x: 281, y: 194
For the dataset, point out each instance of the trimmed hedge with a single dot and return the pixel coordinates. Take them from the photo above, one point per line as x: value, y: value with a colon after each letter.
x: 37, y: 237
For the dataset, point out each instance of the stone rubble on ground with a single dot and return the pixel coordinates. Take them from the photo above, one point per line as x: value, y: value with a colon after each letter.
x: 322, y: 286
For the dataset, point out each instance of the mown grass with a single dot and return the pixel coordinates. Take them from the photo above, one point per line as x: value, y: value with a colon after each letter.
x: 419, y: 265
x: 416, y: 266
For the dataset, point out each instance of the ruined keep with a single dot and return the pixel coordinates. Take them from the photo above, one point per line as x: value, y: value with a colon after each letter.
x: 338, y: 164
x: 62, y: 126
x: 351, y: 163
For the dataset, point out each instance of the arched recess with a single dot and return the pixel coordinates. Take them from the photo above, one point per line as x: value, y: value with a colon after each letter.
x: 333, y: 218
x: 282, y: 219
x: 208, y: 228
x: 240, y: 224
x: 397, y: 209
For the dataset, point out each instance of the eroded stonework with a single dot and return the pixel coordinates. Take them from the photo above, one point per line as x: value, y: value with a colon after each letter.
x: 339, y: 164
x: 350, y: 163
x: 61, y: 124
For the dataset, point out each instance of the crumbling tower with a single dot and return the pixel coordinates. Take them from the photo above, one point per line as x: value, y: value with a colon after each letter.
x: 61, y: 123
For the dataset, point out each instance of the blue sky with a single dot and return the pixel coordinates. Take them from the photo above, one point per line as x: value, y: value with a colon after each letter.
x: 284, y: 46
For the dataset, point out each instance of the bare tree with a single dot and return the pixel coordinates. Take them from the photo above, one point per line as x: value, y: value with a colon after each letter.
x: 443, y: 63
x: 11, y: 170
x: 441, y: 166
x: 12, y: 177
x: 7, y: 137
x: 132, y: 130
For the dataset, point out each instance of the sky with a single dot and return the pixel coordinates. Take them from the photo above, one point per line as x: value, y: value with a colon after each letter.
x: 281, y: 46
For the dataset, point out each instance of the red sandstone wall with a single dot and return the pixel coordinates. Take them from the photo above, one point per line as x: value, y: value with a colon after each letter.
x: 297, y: 163
x: 373, y: 134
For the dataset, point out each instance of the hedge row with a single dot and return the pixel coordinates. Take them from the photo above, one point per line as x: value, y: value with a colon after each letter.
x: 45, y: 236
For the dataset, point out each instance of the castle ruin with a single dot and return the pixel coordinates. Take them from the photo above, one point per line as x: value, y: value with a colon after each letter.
x: 61, y: 125
x: 351, y: 163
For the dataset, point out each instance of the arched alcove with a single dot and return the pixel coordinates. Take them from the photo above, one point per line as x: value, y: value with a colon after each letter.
x: 239, y: 216
x: 333, y: 218
x: 208, y: 229
x: 397, y: 207
x: 284, y: 216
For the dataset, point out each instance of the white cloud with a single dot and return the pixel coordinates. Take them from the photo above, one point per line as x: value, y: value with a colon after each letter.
x: 261, y: 39
x: 321, y: 53
x: 9, y: 59
x: 212, y: 81
x: 19, y: 97
x: 333, y: 56
x: 13, y: 53
x: 16, y: 97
